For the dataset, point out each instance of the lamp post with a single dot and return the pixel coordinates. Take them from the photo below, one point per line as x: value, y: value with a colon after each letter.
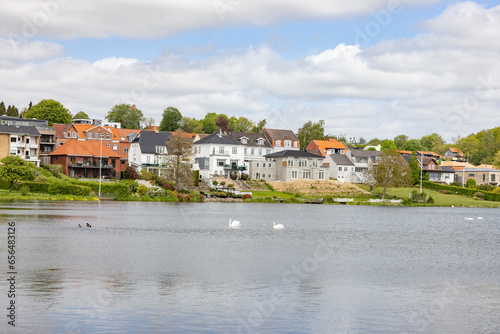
x: 100, y: 168
x: 421, y: 167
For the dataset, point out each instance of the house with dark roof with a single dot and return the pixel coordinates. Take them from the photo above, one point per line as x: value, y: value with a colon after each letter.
x: 219, y: 154
x: 20, y: 140
x: 437, y: 173
x: 361, y: 159
x: 454, y: 154
x: 87, y: 159
x: 289, y: 165
x: 255, y: 145
x: 341, y: 168
x: 282, y: 139
x: 149, y: 151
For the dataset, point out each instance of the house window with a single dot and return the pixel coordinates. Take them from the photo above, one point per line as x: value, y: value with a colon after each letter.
x: 260, y: 151
x: 278, y: 143
x: 13, y: 139
x: 471, y: 175
x: 221, y: 162
x: 358, y: 170
x: 290, y: 162
x: 345, y: 169
x: 235, y: 150
x: 115, y: 147
x: 321, y: 175
x: 296, y: 144
x: 302, y: 162
x: 493, y: 177
x: 244, y: 140
x: 89, y: 135
x: 252, y: 151
x: 96, y: 135
x: 288, y: 143
x: 107, y: 145
x: 245, y: 150
x: 74, y: 134
x: 340, y: 169
x: 108, y: 136
x: 484, y: 177
x: 68, y: 134
x: 294, y: 174
x: 221, y: 149
x: 315, y: 162
x: 306, y: 174
x: 148, y: 159
x: 268, y: 151
x: 102, y: 135
x: 125, y: 150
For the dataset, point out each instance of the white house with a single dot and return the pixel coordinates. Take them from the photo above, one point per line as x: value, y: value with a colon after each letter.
x: 23, y: 141
x: 219, y: 154
x: 341, y: 167
x: 149, y: 151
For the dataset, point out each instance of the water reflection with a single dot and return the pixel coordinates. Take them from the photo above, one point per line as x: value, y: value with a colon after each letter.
x: 169, y: 267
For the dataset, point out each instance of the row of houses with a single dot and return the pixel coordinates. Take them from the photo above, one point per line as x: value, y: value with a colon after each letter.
x: 89, y: 149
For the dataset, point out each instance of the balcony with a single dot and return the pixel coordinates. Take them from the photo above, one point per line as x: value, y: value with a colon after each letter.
x: 235, y: 168
x: 220, y: 154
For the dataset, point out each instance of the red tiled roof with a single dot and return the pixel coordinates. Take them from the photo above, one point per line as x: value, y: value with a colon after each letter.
x: 75, y: 147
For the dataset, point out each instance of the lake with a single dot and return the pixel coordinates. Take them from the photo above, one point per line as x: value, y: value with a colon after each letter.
x: 178, y: 268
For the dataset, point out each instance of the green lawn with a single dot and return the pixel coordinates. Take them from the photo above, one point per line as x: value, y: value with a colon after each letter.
x: 439, y: 198
x: 6, y: 196
x: 268, y: 193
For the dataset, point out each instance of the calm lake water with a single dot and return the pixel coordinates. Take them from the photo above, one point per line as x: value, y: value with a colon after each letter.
x: 178, y: 268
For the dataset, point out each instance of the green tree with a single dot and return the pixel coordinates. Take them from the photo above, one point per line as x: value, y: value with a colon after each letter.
x: 129, y: 116
x: 388, y: 144
x: 241, y: 124
x: 51, y: 111
x: 260, y: 125
x: 179, y: 153
x: 15, y: 169
x: 471, y: 147
x: 400, y: 141
x: 433, y: 142
x: 496, y: 160
x: 3, y: 111
x: 12, y: 111
x: 375, y: 142
x: 390, y: 170
x: 412, y: 145
x: 414, y: 169
x: 191, y: 125
x: 311, y: 131
x: 208, y: 122
x: 171, y: 120
x: 81, y: 115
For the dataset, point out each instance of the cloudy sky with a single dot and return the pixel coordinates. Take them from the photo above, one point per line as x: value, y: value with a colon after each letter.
x: 369, y: 68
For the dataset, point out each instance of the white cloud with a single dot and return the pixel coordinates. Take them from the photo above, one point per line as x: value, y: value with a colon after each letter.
x: 430, y: 83
x: 159, y: 18
x: 14, y: 51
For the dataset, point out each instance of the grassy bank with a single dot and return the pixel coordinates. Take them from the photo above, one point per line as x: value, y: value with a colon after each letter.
x: 6, y: 196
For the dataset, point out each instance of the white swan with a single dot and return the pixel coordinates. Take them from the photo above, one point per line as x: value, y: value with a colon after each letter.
x: 278, y: 226
x: 468, y: 218
x: 234, y: 223
x: 479, y: 217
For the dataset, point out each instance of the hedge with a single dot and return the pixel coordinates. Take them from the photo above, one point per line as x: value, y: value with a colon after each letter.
x: 488, y: 195
x: 117, y: 188
x: 36, y: 187
x: 62, y: 188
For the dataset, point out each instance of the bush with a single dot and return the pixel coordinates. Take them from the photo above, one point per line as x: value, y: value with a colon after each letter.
x: 455, y: 184
x: 196, y: 178
x: 41, y: 179
x: 64, y: 188
x: 470, y: 183
x: 247, y: 196
x: 142, y: 189
x: 55, y: 170
x: 156, y: 191
x: 36, y: 187
x: 430, y: 200
x: 223, y: 183
x: 233, y: 176
x: 417, y: 197
x: 215, y: 183
x: 479, y: 195
x: 130, y: 173
x: 157, y: 180
x: 145, y: 175
x: 244, y: 176
x: 230, y: 185
x: 24, y: 190
x: 131, y: 184
x: 485, y: 187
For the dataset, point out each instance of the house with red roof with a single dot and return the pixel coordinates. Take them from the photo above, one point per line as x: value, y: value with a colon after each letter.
x: 326, y: 147
x: 87, y: 159
x: 282, y: 139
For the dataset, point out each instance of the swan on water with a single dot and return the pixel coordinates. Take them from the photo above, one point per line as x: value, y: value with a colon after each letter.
x: 234, y: 223
x: 278, y: 226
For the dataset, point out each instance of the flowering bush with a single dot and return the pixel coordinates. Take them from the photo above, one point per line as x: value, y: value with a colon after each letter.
x: 247, y: 196
x: 156, y: 191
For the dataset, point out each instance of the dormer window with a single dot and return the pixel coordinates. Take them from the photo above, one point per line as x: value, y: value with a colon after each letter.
x: 244, y: 140
x: 260, y: 141
x: 278, y: 143
x: 74, y: 134
x: 68, y: 135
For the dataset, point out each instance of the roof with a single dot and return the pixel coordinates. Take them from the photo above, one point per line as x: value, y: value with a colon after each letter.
x: 19, y: 129
x: 123, y: 133
x: 487, y: 166
x: 456, y: 151
x: 148, y: 140
x: 82, y: 129
x: 252, y: 138
x: 324, y: 145
x: 341, y: 159
x: 60, y: 129
x: 293, y: 153
x: 427, y: 153
x: 405, y: 152
x: 457, y: 165
x: 218, y: 138
x: 364, y: 153
x: 77, y: 147
x: 278, y: 134
x: 481, y: 170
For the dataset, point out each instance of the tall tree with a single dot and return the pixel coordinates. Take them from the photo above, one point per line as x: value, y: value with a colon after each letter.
x: 3, y: 111
x: 412, y: 145
x: 241, y: 124
x: 180, y: 150
x: 223, y: 123
x: 149, y: 122
x: 471, y: 147
x: 12, y: 111
x: 49, y: 110
x: 433, y: 142
x: 191, y: 125
x: 128, y: 115
x: 400, y: 141
x: 14, y: 169
x: 171, y: 120
x: 311, y: 131
x: 388, y: 144
x: 81, y: 115
x: 260, y: 125
x: 390, y: 170
x: 208, y: 122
